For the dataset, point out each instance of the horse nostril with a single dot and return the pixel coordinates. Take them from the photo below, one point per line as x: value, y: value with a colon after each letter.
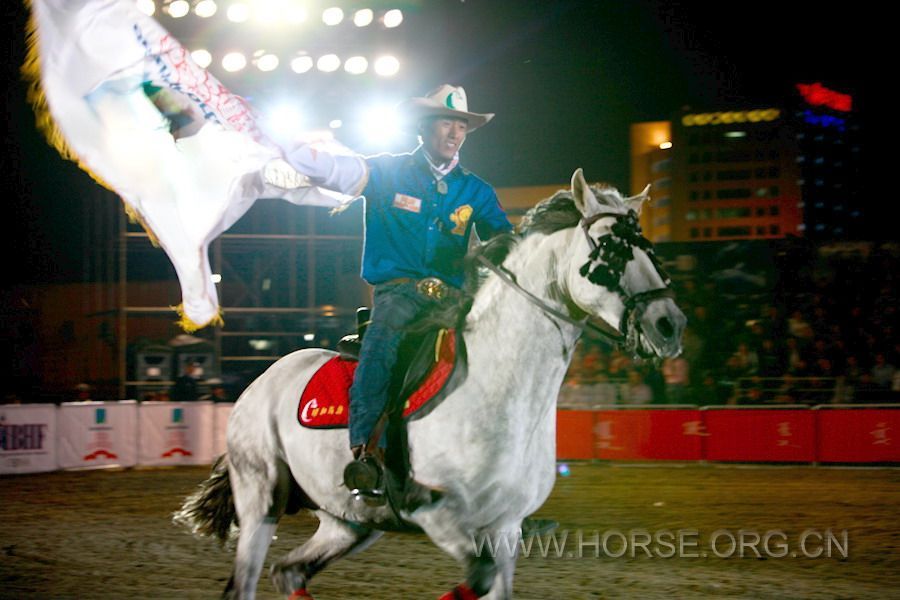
x: 664, y: 327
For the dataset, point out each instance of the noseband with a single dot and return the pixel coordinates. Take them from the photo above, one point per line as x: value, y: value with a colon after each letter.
x: 609, y: 256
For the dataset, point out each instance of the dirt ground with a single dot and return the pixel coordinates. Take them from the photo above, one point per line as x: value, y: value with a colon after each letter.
x: 107, y: 534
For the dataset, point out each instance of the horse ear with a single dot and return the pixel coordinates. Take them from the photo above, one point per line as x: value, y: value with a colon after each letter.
x: 636, y: 202
x: 585, y: 200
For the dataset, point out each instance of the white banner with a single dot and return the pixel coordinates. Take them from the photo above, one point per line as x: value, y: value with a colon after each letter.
x: 27, y: 438
x: 175, y: 433
x: 221, y: 412
x: 97, y: 434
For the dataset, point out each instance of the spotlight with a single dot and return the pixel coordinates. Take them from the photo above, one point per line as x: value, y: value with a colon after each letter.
x: 356, y: 65
x: 234, y: 61
x: 665, y: 145
x: 302, y: 64
x: 179, y: 8
x: 148, y: 7
x: 296, y: 14
x: 335, y: 123
x: 282, y: 122
x: 387, y: 66
x: 328, y: 63
x: 266, y: 62
x: 238, y: 12
x: 202, y: 57
x: 393, y: 18
x: 332, y: 16
x: 267, y: 11
x: 205, y: 9
x: 363, y: 17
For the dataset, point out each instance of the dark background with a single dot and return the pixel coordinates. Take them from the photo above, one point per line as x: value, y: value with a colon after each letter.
x: 566, y: 80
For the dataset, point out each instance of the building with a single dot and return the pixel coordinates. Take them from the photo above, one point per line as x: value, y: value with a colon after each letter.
x: 762, y: 172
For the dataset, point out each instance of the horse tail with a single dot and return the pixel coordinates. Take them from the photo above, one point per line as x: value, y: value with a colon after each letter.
x: 209, y: 511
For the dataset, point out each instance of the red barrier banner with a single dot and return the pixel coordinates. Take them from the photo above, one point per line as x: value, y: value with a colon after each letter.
x: 574, y: 434
x: 648, y: 434
x: 859, y: 435
x: 759, y: 435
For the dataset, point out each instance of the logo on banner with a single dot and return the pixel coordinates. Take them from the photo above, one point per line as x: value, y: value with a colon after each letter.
x: 16, y: 437
x: 177, y: 438
x: 101, y: 443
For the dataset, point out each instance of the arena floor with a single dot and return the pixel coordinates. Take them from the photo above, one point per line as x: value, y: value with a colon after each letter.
x: 107, y: 534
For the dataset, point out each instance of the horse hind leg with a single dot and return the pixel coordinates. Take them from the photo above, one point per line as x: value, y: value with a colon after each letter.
x: 333, y: 539
x: 261, y: 496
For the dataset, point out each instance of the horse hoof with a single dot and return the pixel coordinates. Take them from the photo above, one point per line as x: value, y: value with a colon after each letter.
x: 300, y: 594
x: 460, y: 592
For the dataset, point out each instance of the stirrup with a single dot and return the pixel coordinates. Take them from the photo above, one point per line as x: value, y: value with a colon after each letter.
x: 364, y: 478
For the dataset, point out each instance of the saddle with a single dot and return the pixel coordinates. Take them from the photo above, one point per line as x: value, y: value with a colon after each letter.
x: 430, y: 365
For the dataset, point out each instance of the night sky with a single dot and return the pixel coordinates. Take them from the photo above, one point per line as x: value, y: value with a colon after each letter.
x: 566, y: 80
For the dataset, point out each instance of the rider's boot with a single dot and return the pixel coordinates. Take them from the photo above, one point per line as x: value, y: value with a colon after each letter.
x: 364, y: 476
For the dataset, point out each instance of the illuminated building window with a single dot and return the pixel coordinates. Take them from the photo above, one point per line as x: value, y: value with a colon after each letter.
x: 664, y: 201
x: 733, y: 175
x: 695, y: 232
x: 662, y: 183
x: 734, y: 212
x: 661, y: 166
x: 727, y: 194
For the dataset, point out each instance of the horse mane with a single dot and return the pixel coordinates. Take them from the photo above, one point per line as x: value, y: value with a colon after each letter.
x: 548, y: 216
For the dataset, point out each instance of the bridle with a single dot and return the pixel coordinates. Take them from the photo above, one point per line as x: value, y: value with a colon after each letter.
x: 612, y: 253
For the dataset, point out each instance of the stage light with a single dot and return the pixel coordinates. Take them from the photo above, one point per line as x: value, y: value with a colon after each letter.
x: 302, y: 64
x: 202, y: 57
x: 283, y: 122
x: 216, y: 278
x: 328, y: 63
x: 665, y: 145
x: 356, y: 65
x: 393, y: 18
x: 380, y: 123
x: 205, y: 9
x: 266, y: 62
x: 148, y: 7
x: 238, y: 12
x: 363, y: 17
x: 179, y: 8
x: 387, y: 66
x: 234, y: 61
x: 335, y: 123
x: 332, y: 16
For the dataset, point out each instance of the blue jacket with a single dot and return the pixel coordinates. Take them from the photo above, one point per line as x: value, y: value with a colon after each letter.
x: 413, y: 230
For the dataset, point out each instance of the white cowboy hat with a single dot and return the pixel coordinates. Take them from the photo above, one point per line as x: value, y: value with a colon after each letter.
x: 444, y: 101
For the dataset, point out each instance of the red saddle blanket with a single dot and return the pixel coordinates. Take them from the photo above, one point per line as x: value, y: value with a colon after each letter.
x: 324, y: 403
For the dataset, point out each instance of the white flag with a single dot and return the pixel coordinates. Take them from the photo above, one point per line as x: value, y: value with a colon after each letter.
x: 116, y: 93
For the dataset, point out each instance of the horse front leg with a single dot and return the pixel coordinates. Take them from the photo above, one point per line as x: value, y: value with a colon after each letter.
x: 333, y: 539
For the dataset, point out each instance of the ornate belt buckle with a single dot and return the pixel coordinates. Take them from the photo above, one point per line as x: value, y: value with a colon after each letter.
x: 432, y: 287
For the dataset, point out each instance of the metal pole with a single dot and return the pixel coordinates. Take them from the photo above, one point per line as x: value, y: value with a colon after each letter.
x: 123, y: 300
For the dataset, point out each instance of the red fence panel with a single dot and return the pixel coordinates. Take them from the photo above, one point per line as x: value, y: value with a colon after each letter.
x: 575, y: 434
x: 648, y: 434
x: 859, y: 435
x: 760, y: 435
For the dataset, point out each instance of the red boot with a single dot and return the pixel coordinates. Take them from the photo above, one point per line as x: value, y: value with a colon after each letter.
x: 460, y: 592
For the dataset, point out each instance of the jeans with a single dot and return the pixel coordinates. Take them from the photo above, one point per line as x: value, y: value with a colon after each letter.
x: 396, y: 305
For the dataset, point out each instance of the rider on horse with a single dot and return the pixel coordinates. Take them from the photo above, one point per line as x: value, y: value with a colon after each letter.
x: 420, y: 211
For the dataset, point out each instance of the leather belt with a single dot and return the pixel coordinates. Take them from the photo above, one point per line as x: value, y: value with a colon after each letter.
x: 430, y: 287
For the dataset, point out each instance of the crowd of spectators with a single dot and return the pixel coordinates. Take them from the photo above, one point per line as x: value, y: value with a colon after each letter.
x: 821, y: 330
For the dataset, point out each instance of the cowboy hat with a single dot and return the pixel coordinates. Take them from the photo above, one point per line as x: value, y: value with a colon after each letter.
x: 444, y: 101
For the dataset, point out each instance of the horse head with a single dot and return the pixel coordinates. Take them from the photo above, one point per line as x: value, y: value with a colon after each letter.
x: 612, y: 273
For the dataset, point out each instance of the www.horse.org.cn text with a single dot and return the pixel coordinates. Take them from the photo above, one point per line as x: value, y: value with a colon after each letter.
x: 668, y: 543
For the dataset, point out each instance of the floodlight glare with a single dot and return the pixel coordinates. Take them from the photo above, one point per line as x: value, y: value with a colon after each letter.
x: 179, y: 8
x: 380, y: 123
x: 148, y: 7
x: 205, y: 9
x: 202, y: 57
x: 234, y: 61
x: 328, y: 63
x: 356, y: 65
x: 302, y: 64
x: 296, y: 14
x: 267, y: 62
x: 332, y: 16
x: 387, y: 65
x: 393, y: 18
x: 335, y: 123
x: 363, y: 17
x: 282, y: 122
x: 267, y: 11
x: 238, y: 12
